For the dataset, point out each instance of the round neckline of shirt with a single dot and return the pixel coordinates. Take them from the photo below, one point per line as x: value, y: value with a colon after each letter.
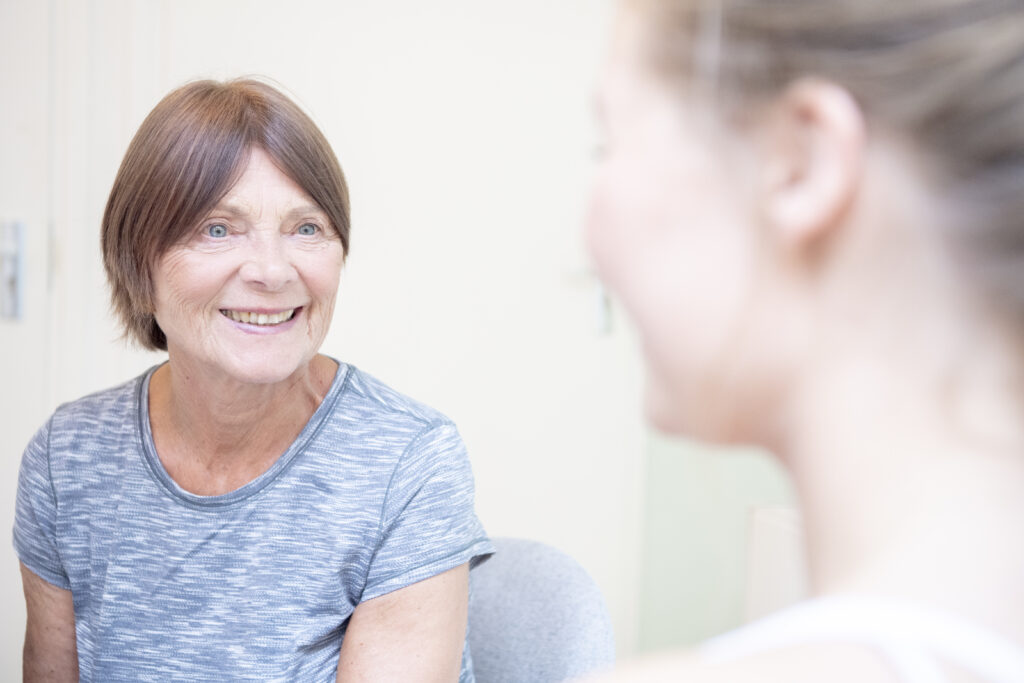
x: 164, y: 479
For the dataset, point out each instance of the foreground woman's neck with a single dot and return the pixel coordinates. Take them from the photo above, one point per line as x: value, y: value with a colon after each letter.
x: 214, y: 433
x: 912, y: 482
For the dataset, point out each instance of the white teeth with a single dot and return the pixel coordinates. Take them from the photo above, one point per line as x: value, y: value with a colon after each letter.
x: 259, y: 318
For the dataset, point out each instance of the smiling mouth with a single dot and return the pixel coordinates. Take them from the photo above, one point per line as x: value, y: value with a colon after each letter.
x: 253, y: 318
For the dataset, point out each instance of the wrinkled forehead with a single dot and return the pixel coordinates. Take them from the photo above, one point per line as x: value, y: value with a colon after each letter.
x: 263, y: 184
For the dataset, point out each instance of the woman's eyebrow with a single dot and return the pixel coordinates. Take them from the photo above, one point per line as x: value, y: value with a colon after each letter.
x: 229, y: 208
x: 304, y: 210
x: 239, y: 211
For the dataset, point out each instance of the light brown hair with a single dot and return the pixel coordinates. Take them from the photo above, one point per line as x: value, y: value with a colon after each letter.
x: 186, y: 155
x: 947, y: 75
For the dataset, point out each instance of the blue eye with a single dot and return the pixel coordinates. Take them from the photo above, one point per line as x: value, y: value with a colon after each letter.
x: 308, y: 229
x: 217, y: 230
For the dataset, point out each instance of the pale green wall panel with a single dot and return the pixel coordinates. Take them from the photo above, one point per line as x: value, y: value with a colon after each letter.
x: 697, y: 506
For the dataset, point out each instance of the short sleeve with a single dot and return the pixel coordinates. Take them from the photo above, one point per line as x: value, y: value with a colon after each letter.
x: 428, y: 524
x: 35, y: 515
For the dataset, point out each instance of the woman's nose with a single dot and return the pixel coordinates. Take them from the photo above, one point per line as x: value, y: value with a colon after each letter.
x: 267, y: 264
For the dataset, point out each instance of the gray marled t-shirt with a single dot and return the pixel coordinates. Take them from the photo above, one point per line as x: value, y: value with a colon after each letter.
x: 376, y: 493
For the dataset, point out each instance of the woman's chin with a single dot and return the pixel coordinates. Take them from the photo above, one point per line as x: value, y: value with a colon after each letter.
x: 692, y: 417
x: 263, y: 369
x: 666, y: 421
x: 275, y: 371
x: 665, y: 412
x: 270, y: 376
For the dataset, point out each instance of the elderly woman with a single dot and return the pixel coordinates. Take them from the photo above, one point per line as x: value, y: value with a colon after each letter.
x: 250, y: 509
x: 814, y: 212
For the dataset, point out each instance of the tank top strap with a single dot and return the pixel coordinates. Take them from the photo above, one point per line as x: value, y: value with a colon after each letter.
x: 913, y: 638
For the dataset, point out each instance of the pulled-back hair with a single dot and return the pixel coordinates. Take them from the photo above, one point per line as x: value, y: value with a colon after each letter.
x: 184, y: 158
x: 948, y: 75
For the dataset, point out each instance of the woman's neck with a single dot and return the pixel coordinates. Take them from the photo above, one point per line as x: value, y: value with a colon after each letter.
x: 912, y: 480
x: 214, y: 434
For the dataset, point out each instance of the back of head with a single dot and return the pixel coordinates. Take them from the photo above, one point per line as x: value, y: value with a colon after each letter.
x: 185, y: 156
x: 946, y: 75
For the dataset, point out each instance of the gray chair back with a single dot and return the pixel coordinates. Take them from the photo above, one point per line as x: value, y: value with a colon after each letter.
x: 536, y: 616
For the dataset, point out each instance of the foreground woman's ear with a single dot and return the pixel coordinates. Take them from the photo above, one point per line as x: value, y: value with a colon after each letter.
x: 814, y: 160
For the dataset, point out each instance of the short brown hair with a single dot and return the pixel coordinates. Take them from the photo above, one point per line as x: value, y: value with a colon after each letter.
x: 186, y: 155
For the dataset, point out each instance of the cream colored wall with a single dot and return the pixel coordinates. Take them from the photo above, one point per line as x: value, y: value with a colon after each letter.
x: 24, y: 196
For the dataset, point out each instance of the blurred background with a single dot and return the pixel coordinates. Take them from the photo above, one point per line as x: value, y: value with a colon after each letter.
x: 466, y: 133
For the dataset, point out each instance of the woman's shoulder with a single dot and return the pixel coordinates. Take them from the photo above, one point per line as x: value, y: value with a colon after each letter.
x: 808, y: 663
x: 845, y: 638
x: 113, y: 402
x: 100, y: 408
x: 371, y: 426
x: 79, y: 433
x: 372, y: 398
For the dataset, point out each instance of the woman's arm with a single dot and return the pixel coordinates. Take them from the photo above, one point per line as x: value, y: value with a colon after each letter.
x: 413, y: 634
x: 50, y: 653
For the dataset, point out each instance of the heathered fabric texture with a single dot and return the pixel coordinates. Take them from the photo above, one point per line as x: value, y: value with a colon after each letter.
x: 375, y: 494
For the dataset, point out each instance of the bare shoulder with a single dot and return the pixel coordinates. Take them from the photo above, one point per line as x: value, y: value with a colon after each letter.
x: 800, y: 664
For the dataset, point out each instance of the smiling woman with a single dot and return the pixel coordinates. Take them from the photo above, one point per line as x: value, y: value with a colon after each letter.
x: 249, y: 509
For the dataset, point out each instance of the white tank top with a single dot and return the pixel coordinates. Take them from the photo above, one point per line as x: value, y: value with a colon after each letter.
x: 913, y: 638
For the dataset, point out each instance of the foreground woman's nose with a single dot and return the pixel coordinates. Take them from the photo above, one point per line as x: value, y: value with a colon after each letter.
x: 267, y: 265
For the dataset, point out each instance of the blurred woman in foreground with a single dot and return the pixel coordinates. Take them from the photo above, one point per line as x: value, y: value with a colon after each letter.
x: 814, y: 211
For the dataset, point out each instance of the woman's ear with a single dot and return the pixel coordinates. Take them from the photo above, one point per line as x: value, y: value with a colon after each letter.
x: 814, y: 160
